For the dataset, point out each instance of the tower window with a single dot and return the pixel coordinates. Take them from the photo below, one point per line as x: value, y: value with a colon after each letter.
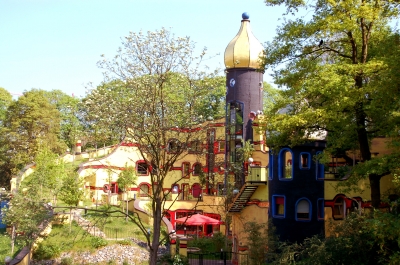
x: 303, y: 210
x: 278, y: 206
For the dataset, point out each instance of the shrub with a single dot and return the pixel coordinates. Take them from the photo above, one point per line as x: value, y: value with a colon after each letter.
x: 98, y: 242
x: 67, y: 261
x: 44, y: 252
x: 125, y: 242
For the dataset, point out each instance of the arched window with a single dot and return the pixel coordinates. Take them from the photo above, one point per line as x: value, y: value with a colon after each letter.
x: 303, y: 210
x: 144, y: 190
x: 285, y: 164
x: 142, y: 168
x: 197, y: 169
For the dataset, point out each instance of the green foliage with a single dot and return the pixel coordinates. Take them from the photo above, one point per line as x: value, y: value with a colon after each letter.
x: 125, y: 242
x: 45, y: 252
x: 168, y: 259
x: 5, y: 101
x: 26, y: 214
x: 98, y: 242
x: 211, y: 244
x: 336, y: 69
x: 127, y: 177
x: 71, y: 190
x: 257, y: 238
x: 30, y: 122
x: 67, y: 261
x: 377, y: 237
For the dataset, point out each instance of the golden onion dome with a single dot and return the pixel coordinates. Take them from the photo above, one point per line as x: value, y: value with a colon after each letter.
x: 244, y: 50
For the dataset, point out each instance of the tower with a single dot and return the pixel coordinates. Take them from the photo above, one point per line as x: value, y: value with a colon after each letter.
x: 244, y: 85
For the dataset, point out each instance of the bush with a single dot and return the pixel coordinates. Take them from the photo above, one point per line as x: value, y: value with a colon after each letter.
x: 44, y: 252
x: 67, y: 261
x: 125, y: 242
x: 168, y: 259
x: 98, y: 242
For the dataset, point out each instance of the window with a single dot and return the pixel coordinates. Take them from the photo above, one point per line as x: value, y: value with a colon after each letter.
x: 175, y: 189
x: 321, y: 209
x: 339, y: 208
x: 303, y: 210
x: 144, y: 190
x: 196, y: 190
x: 285, y: 169
x: 174, y: 146
x: 186, y: 170
x: 195, y: 147
x: 185, y: 192
x: 197, y: 169
x: 320, y: 168
x: 221, y: 146
x: 278, y: 206
x: 142, y: 168
x: 305, y: 160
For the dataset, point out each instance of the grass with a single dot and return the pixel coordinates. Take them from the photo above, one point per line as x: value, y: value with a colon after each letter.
x: 115, y: 225
x: 76, y: 240
x: 5, y: 246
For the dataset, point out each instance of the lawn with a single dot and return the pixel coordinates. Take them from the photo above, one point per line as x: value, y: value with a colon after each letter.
x: 5, y: 246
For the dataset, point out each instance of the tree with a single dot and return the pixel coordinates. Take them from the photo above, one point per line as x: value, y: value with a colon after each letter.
x: 30, y: 122
x: 45, y: 181
x: 154, y: 104
x: 71, y: 127
x: 126, y: 179
x: 5, y: 101
x: 71, y: 191
x: 334, y: 67
x: 28, y: 216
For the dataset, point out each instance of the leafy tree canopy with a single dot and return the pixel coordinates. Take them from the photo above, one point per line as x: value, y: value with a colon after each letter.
x: 334, y: 66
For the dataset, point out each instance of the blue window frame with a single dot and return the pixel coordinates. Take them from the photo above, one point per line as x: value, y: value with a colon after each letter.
x: 305, y: 160
x: 320, y: 209
x: 278, y: 206
x: 320, y: 168
x: 285, y: 164
x: 303, y: 210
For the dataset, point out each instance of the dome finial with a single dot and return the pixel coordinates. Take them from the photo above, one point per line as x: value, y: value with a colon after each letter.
x: 245, y: 15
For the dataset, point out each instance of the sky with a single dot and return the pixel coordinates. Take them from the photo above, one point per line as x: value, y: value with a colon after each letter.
x: 56, y: 44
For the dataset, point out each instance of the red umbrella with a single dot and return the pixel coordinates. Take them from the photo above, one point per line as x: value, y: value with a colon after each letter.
x: 198, y: 219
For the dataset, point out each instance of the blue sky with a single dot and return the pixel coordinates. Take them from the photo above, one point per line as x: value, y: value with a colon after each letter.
x: 55, y: 44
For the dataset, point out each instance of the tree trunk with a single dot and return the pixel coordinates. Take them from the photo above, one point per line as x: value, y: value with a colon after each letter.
x: 156, y: 232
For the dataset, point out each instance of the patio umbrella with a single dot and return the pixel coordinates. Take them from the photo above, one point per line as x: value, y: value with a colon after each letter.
x: 198, y: 219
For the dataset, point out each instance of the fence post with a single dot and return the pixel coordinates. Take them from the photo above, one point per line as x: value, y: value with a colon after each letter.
x: 201, y: 259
